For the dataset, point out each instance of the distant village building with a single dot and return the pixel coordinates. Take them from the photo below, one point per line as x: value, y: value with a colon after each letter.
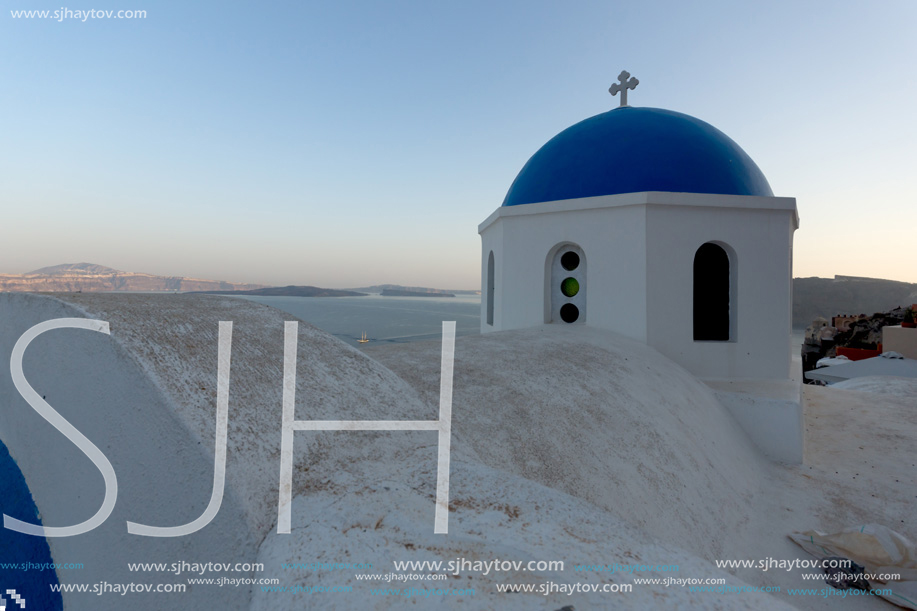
x: 842, y: 322
x: 656, y: 225
x: 900, y: 338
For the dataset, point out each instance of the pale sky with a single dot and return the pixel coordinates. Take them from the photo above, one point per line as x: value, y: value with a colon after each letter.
x: 350, y: 143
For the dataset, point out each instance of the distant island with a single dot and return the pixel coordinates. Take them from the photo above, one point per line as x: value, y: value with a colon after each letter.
x: 290, y: 291
x: 422, y: 291
x: 404, y: 293
x: 89, y: 277
x: 94, y: 278
x: 812, y: 297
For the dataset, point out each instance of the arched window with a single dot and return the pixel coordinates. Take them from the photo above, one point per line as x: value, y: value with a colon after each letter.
x: 711, y: 293
x: 567, y: 284
x: 490, y: 289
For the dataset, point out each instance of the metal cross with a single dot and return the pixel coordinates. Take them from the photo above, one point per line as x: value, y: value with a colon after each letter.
x: 623, y: 86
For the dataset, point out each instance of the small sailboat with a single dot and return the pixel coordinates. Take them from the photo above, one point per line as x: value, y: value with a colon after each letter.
x: 363, y: 339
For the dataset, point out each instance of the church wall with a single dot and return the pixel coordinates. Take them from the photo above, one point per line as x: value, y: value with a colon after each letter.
x: 613, y: 241
x: 492, y: 241
x: 760, y: 242
x: 617, y: 282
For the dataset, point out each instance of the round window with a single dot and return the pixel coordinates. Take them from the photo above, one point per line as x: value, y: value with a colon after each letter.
x: 569, y: 261
x: 569, y: 287
x: 569, y: 312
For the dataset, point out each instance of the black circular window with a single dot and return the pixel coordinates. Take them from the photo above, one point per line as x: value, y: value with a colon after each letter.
x: 569, y: 261
x: 569, y: 312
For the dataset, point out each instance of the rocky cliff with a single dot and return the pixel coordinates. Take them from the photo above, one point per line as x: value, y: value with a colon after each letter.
x: 88, y: 277
x: 827, y: 297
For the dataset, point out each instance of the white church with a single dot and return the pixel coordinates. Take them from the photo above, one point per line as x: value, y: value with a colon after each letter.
x: 657, y: 226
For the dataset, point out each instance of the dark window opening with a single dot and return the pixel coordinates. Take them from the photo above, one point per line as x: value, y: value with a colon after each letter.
x: 569, y: 312
x: 569, y: 261
x: 711, y: 294
x: 490, y: 289
x: 565, y: 285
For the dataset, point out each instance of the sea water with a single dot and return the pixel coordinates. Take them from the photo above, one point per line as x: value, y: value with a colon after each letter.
x: 398, y: 319
x: 383, y: 319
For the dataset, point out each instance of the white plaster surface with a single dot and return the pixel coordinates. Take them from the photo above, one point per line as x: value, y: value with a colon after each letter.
x: 384, y: 514
x: 770, y: 411
x: 882, y: 385
x: 877, y: 366
x: 584, y: 446
x: 645, y: 442
x: 601, y: 417
x: 146, y: 396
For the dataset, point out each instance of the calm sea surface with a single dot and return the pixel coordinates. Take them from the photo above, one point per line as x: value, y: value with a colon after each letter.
x: 384, y: 319
x: 397, y: 319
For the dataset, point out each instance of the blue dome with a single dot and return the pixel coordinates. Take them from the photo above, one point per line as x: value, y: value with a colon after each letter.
x: 628, y: 150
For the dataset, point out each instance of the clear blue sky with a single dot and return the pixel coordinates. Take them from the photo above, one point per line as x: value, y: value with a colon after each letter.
x: 346, y: 143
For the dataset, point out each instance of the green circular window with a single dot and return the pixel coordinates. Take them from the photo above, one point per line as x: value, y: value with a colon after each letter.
x: 569, y: 287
